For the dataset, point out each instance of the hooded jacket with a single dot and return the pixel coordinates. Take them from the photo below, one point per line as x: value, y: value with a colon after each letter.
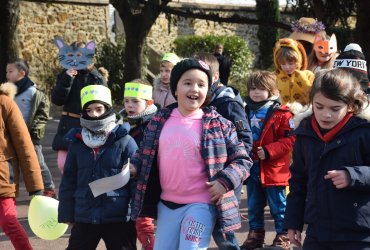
x: 331, y: 214
x: 296, y: 86
x: 17, y: 152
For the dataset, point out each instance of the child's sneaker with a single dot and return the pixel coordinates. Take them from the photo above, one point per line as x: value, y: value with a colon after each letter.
x: 50, y: 193
x: 281, y: 240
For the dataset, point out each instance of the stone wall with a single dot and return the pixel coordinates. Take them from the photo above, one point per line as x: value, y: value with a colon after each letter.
x: 40, y: 21
x: 163, y: 33
x: 165, y: 30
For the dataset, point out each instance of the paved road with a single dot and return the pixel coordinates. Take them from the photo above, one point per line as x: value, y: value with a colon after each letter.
x: 61, y: 243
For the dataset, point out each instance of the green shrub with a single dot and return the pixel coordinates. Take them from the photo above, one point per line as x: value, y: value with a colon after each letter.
x: 234, y: 46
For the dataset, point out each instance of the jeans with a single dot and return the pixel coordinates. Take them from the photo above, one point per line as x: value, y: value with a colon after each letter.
x: 258, y: 196
x: 231, y: 242
x: 45, y: 172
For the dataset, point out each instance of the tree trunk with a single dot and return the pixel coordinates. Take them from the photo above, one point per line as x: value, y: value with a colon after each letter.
x: 362, y: 34
x: 138, y: 18
x: 267, y: 35
x: 135, y: 37
x: 9, y: 12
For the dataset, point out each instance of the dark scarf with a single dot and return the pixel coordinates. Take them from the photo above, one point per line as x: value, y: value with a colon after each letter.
x: 327, y: 137
x: 23, y: 85
x: 254, y: 106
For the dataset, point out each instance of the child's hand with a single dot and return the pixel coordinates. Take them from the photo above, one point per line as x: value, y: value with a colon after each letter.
x: 261, y: 153
x: 295, y: 237
x: 340, y: 178
x: 216, y: 190
x: 71, y: 72
x: 133, y: 171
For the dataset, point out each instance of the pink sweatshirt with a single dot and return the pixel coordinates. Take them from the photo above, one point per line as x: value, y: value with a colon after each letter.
x: 182, y: 170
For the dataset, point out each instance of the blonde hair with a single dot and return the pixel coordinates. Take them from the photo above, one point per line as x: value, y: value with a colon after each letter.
x: 167, y: 64
x: 265, y: 80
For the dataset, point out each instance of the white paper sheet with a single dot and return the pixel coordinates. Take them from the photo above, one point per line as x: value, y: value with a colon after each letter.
x: 114, y: 182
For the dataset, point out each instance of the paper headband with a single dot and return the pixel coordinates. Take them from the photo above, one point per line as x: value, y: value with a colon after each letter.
x: 171, y: 57
x: 137, y: 90
x: 95, y: 93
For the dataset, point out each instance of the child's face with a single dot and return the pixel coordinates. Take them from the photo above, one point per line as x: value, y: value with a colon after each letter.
x: 323, y: 57
x: 95, y: 109
x: 289, y: 67
x: 13, y: 74
x: 328, y: 113
x: 191, y: 91
x: 258, y: 95
x: 164, y: 74
x: 134, y: 106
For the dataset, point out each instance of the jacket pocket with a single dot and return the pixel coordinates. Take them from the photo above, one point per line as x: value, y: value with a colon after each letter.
x: 82, y: 203
x: 116, y: 203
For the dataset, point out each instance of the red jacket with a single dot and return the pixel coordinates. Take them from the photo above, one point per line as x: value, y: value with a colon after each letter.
x: 275, y: 139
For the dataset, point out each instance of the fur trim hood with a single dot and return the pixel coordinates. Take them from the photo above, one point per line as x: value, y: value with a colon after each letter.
x: 297, y: 47
x: 8, y: 89
x: 300, y: 112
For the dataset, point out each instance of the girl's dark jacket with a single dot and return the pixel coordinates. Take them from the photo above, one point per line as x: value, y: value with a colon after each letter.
x: 67, y: 94
x: 225, y: 158
x: 331, y: 214
x: 76, y: 201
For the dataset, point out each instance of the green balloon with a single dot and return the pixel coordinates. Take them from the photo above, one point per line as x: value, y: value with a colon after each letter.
x: 43, y: 218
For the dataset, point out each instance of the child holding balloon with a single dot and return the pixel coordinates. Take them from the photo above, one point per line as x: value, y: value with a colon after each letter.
x: 98, y: 150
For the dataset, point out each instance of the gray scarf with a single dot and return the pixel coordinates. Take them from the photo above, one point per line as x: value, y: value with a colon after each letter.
x: 95, y: 132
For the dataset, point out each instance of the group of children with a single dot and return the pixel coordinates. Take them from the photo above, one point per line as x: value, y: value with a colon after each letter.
x: 191, y: 143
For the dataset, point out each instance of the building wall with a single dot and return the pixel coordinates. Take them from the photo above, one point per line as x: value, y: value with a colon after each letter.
x: 40, y: 21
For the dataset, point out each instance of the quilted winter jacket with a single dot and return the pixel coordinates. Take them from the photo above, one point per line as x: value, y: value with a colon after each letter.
x: 331, y: 214
x: 17, y: 153
x: 224, y: 156
x: 76, y: 201
x: 278, y: 142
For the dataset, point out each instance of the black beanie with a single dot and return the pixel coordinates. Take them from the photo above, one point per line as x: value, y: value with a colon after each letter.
x: 353, y: 60
x: 185, y: 65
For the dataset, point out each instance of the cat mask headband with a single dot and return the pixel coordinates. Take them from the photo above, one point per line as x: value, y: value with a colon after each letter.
x: 74, y: 57
x: 325, y: 46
